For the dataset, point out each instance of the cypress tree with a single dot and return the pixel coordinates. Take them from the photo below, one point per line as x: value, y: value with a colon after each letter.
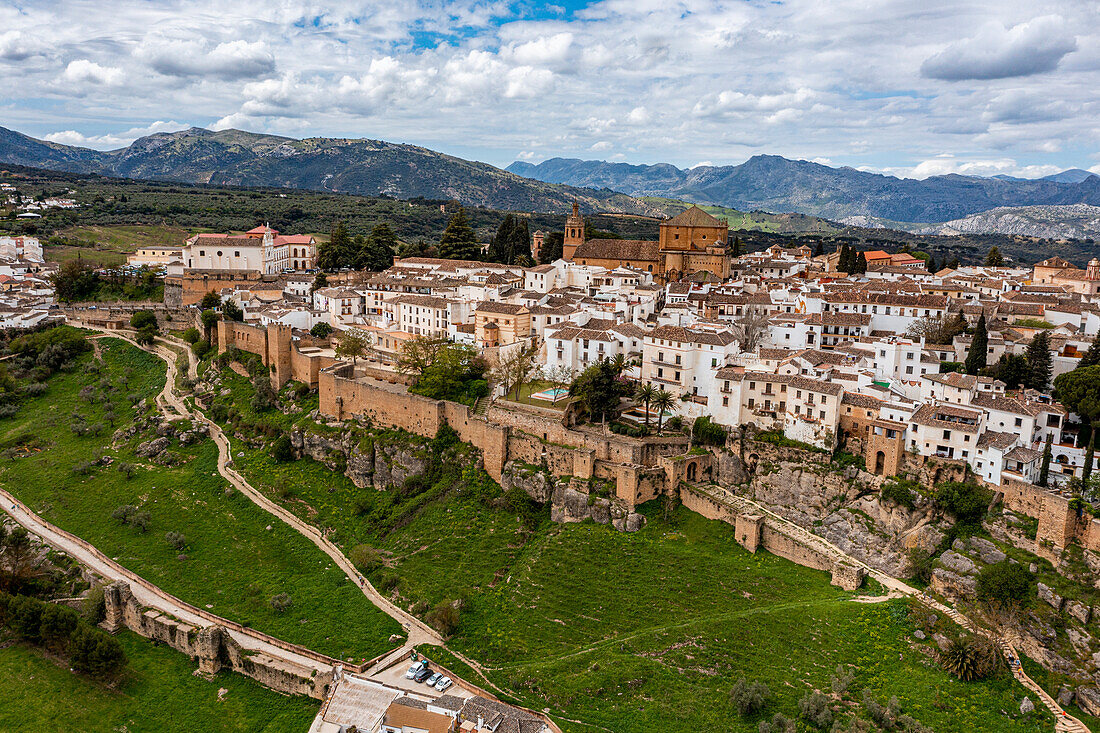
x: 819, y: 249
x: 377, y: 250
x: 520, y: 241
x: 994, y: 258
x: 459, y: 241
x: 979, y: 348
x: 1039, y: 361
x: 500, y: 249
x: 861, y: 263
x: 1086, y: 470
x: 1044, y: 468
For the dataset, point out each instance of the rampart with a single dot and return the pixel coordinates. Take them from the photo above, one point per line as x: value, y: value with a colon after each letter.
x: 754, y: 531
x: 211, y: 646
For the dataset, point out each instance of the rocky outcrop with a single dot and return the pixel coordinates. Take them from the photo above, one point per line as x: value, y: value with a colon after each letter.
x: 841, y: 506
x: 395, y: 463
x: 382, y: 464
x: 532, y: 480
x: 570, y: 505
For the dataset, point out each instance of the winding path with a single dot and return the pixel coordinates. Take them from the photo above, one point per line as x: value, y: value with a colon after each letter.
x: 1063, y: 720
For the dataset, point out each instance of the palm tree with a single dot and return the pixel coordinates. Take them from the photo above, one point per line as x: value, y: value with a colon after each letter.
x: 663, y: 401
x: 644, y: 393
x: 618, y: 363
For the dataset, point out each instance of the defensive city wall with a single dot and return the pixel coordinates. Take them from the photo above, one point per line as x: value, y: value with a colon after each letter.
x: 640, y: 469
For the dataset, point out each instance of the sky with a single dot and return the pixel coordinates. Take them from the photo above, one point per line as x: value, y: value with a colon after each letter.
x: 907, y: 87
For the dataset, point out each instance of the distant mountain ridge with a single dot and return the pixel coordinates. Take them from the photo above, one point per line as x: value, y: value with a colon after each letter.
x: 774, y: 183
x: 356, y: 166
x: 1075, y: 221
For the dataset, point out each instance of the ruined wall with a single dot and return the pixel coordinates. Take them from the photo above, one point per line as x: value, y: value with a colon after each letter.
x: 211, y: 646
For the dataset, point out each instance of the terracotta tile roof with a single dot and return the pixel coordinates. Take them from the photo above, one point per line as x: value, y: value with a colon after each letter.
x: 693, y: 217
x: 617, y: 249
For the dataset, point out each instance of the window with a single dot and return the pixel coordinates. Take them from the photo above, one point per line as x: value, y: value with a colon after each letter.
x: 947, y: 435
x: 677, y: 376
x: 202, y: 253
x: 660, y: 373
x: 1019, y: 422
x: 219, y: 253
x: 725, y: 402
x: 751, y: 401
x: 713, y: 363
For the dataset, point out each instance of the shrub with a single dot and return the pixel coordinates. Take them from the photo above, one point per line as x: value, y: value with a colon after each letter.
x: 444, y: 618
x: 778, y: 724
x: 366, y: 559
x: 93, y: 606
x: 920, y: 565
x: 143, y: 319
x: 883, y: 717
x: 814, y: 710
x: 82, y: 468
x: 96, y: 653
x: 201, y: 348
x: 748, y: 698
x: 124, y: 513
x: 898, y: 491
x: 281, y: 602
x: 175, y: 539
x: 967, y: 502
x: 281, y: 450
x: 320, y: 330
x: 972, y: 658
x: 191, y: 335
x: 707, y: 432
x: 57, y: 625
x: 126, y: 468
x: 1005, y: 586
x: 387, y: 581
x: 141, y: 520
x: 841, y: 680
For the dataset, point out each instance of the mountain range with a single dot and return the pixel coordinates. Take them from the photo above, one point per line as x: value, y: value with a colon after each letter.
x: 1075, y: 221
x: 339, y: 165
x: 773, y: 183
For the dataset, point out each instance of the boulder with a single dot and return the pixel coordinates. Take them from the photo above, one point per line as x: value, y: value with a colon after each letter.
x: 1026, y: 706
x: 987, y: 551
x: 1088, y: 699
x: 1065, y: 696
x: 1081, y: 641
x: 953, y: 585
x: 918, y: 634
x: 1048, y: 596
x: 535, y: 482
x: 958, y: 563
x: 942, y: 642
x: 1079, y: 611
x: 150, y: 448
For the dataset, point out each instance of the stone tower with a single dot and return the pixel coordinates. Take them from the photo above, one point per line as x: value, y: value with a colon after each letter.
x: 1092, y: 272
x: 574, y: 233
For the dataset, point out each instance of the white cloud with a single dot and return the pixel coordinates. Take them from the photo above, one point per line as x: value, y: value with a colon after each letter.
x: 230, y: 60
x: 946, y: 164
x: 997, y: 52
x: 83, y: 71
x: 113, y: 140
x: 541, y: 51
x: 17, y: 46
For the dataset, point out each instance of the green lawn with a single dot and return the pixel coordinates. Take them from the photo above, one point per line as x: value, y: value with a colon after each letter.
x: 237, y: 556
x: 158, y: 693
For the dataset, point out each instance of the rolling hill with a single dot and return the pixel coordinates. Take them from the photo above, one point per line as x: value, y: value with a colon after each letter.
x: 773, y: 183
x: 337, y: 165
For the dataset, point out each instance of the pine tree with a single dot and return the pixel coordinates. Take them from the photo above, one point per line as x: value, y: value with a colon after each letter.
x: 979, y: 348
x: 819, y: 249
x: 1039, y: 361
x: 953, y: 264
x: 1044, y: 468
x: 994, y: 258
x: 1092, y: 356
x: 377, y: 251
x: 459, y: 241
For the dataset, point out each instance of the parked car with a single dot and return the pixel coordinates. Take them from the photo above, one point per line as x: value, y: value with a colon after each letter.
x: 430, y: 682
x: 443, y: 683
x: 415, y: 669
x: 423, y: 674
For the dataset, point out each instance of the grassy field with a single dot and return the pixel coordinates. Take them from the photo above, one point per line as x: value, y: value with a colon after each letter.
x: 158, y: 693
x: 626, y: 632
x: 237, y: 556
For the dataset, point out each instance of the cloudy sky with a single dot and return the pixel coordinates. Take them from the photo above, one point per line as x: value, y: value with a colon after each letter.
x: 910, y: 87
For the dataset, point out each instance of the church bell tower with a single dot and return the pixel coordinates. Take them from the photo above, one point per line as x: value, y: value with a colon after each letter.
x: 574, y: 233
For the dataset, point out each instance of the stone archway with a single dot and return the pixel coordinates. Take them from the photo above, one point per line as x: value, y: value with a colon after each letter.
x: 692, y: 471
x: 880, y: 463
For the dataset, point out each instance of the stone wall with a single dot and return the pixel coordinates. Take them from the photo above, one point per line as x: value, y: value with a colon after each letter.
x: 211, y: 646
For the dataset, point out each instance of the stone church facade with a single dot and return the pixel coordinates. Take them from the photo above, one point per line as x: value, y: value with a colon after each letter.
x: 690, y: 242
